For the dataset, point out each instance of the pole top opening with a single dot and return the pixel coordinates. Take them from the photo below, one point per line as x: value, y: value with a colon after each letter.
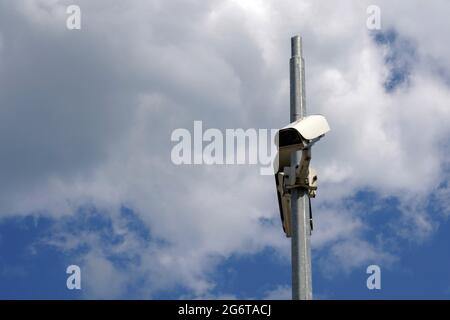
x: 296, y: 46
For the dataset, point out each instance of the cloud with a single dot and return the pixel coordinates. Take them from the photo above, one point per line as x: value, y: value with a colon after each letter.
x: 349, y: 254
x: 279, y: 293
x: 86, y: 118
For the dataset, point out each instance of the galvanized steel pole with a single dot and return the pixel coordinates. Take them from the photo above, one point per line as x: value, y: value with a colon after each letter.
x: 301, y: 229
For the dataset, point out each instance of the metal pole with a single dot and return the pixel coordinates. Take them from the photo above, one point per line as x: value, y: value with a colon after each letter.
x: 300, y: 245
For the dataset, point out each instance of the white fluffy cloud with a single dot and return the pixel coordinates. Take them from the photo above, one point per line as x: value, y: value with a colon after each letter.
x: 86, y: 118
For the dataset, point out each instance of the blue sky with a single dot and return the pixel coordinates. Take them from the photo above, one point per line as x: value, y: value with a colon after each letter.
x: 33, y: 270
x: 86, y: 119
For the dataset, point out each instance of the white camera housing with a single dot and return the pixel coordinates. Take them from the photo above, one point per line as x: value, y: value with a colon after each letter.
x: 298, y: 135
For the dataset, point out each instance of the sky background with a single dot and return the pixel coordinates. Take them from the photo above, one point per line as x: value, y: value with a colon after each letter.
x: 86, y: 118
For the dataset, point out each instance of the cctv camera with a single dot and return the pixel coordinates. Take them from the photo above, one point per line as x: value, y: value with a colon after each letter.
x: 299, y: 135
x: 302, y: 133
